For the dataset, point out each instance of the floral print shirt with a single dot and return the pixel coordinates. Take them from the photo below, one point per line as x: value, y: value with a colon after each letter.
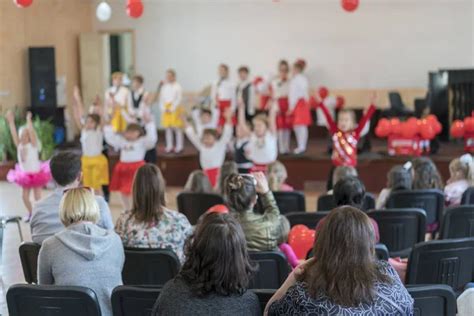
x: 170, y: 232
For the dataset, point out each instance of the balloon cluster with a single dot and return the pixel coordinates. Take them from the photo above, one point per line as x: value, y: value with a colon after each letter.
x: 464, y: 128
x: 301, y: 239
x: 426, y: 128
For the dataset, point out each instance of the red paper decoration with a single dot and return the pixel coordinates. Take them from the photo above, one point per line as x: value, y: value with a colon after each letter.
x: 350, y: 5
x: 134, y: 8
x: 23, y: 3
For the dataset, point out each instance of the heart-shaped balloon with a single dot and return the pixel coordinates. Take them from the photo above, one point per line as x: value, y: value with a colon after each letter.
x: 301, y: 239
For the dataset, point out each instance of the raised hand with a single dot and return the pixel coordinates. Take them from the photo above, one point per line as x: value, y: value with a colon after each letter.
x: 10, y: 117
x: 262, y: 182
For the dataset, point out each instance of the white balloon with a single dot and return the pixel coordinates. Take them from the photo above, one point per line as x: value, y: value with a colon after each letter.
x: 103, y: 12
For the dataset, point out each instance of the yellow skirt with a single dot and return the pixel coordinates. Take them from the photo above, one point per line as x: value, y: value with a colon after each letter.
x: 118, y: 121
x: 95, y: 171
x: 172, y: 119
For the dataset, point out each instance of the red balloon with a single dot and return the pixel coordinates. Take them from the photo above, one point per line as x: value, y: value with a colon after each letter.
x: 409, y: 128
x: 469, y: 124
x: 350, y: 5
x: 457, y: 129
x: 323, y: 92
x: 340, y: 101
x: 427, y: 130
x: 433, y: 120
x: 383, y: 128
x: 395, y: 127
x: 301, y: 239
x: 23, y: 3
x: 135, y: 8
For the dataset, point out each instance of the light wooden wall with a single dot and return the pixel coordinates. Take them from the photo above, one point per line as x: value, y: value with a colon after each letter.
x: 55, y: 23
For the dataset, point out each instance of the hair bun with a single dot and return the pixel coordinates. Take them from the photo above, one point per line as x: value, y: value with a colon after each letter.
x: 236, y: 182
x: 466, y: 159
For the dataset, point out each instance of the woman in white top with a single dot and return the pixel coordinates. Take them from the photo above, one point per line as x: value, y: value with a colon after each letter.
x: 29, y: 173
x: 116, y: 99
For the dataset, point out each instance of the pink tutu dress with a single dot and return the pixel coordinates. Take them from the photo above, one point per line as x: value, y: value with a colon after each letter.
x: 29, y: 172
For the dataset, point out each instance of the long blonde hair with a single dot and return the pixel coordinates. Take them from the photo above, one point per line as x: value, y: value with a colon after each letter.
x: 277, y: 175
x: 462, y: 168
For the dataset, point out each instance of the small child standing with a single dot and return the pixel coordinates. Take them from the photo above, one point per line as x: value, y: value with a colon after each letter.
x: 132, y: 146
x: 211, y: 148
x: 138, y: 101
x: 116, y: 99
x: 223, y: 94
x: 245, y: 92
x: 398, y: 178
x: 277, y: 176
x: 204, y: 118
x: 29, y: 173
x: 280, y: 88
x: 461, y: 178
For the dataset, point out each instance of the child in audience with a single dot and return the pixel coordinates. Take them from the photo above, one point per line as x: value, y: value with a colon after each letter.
x: 171, y: 95
x: 345, y: 135
x: 342, y: 172
x: 246, y: 93
x: 461, y: 178
x: 299, y: 107
x: 211, y: 148
x: 198, y: 182
x: 95, y: 166
x: 133, y: 146
x: 30, y: 173
x: 223, y: 94
x: 116, y: 99
x: 229, y: 167
x: 277, y: 175
x: 204, y: 118
x: 280, y: 87
x: 398, y: 178
x: 262, y: 148
x: 426, y: 175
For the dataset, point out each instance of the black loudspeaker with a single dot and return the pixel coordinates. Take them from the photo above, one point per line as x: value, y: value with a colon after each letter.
x: 42, y: 77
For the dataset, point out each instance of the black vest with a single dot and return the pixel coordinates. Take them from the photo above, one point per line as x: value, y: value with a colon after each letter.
x: 136, y: 102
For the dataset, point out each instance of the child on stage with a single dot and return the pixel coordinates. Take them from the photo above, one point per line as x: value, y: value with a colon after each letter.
x: 299, y: 107
x: 137, y: 105
x: 95, y: 166
x: 223, y: 94
x: 204, y: 118
x: 171, y: 95
x: 132, y: 146
x: 211, y: 148
x: 280, y: 87
x: 246, y: 93
x: 116, y: 99
x: 29, y: 173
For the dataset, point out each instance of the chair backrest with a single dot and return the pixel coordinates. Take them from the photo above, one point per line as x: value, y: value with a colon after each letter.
x: 311, y: 220
x: 431, y: 201
x: 458, y: 222
x: 264, y: 295
x: 381, y: 252
x: 468, y: 197
x: 326, y: 202
x: 290, y: 201
x: 193, y: 205
x: 448, y: 262
x: 395, y: 100
x: 134, y: 300
x: 400, y: 229
x: 27, y: 300
x: 149, y: 266
x: 433, y: 300
x: 273, y: 269
x: 29, y: 260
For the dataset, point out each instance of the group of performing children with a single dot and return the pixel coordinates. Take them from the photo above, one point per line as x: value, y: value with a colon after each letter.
x: 253, y: 120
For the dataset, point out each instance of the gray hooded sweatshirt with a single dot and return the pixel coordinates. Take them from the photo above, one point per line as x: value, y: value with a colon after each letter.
x: 86, y: 255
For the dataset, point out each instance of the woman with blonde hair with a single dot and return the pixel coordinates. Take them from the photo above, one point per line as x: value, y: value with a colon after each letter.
x: 198, y: 182
x: 83, y: 254
x: 277, y: 175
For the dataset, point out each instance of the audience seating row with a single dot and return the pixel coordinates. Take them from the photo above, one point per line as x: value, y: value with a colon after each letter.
x: 26, y: 300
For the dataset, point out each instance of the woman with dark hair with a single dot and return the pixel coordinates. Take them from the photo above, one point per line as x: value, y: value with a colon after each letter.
x: 149, y: 224
x: 262, y: 231
x: 215, y: 276
x: 345, y: 277
x: 426, y: 175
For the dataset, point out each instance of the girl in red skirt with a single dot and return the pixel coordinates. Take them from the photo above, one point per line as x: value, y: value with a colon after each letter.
x: 223, y: 94
x: 280, y: 88
x: 133, y: 147
x: 299, y: 106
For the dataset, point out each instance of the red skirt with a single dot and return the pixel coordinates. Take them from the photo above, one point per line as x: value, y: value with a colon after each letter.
x: 265, y: 102
x: 212, y: 175
x: 122, y: 176
x: 302, y: 113
x: 259, y: 168
x: 223, y: 105
x: 283, y: 120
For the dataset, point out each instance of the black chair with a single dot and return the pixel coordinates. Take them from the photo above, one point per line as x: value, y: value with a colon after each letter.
x: 193, y: 205
x: 326, y: 202
x: 431, y: 201
x: 29, y: 252
x: 133, y: 300
x: 458, y: 222
x: 273, y: 269
x: 433, y: 300
x: 28, y: 300
x: 381, y: 252
x: 468, y: 197
x: 397, y: 107
x: 264, y: 295
x: 311, y: 220
x: 448, y: 262
x: 290, y: 201
x: 149, y: 266
x: 400, y: 229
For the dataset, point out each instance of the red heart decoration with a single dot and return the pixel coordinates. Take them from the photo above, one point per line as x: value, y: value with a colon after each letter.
x: 301, y: 239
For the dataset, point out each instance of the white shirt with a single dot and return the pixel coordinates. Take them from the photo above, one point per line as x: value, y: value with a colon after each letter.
x: 170, y: 93
x: 262, y: 151
x: 211, y: 157
x: 200, y: 126
x: 223, y: 90
x: 298, y: 90
x: 28, y: 158
x: 120, y: 96
x: 280, y: 88
x: 143, y: 108
x: 132, y: 151
x: 92, y: 142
